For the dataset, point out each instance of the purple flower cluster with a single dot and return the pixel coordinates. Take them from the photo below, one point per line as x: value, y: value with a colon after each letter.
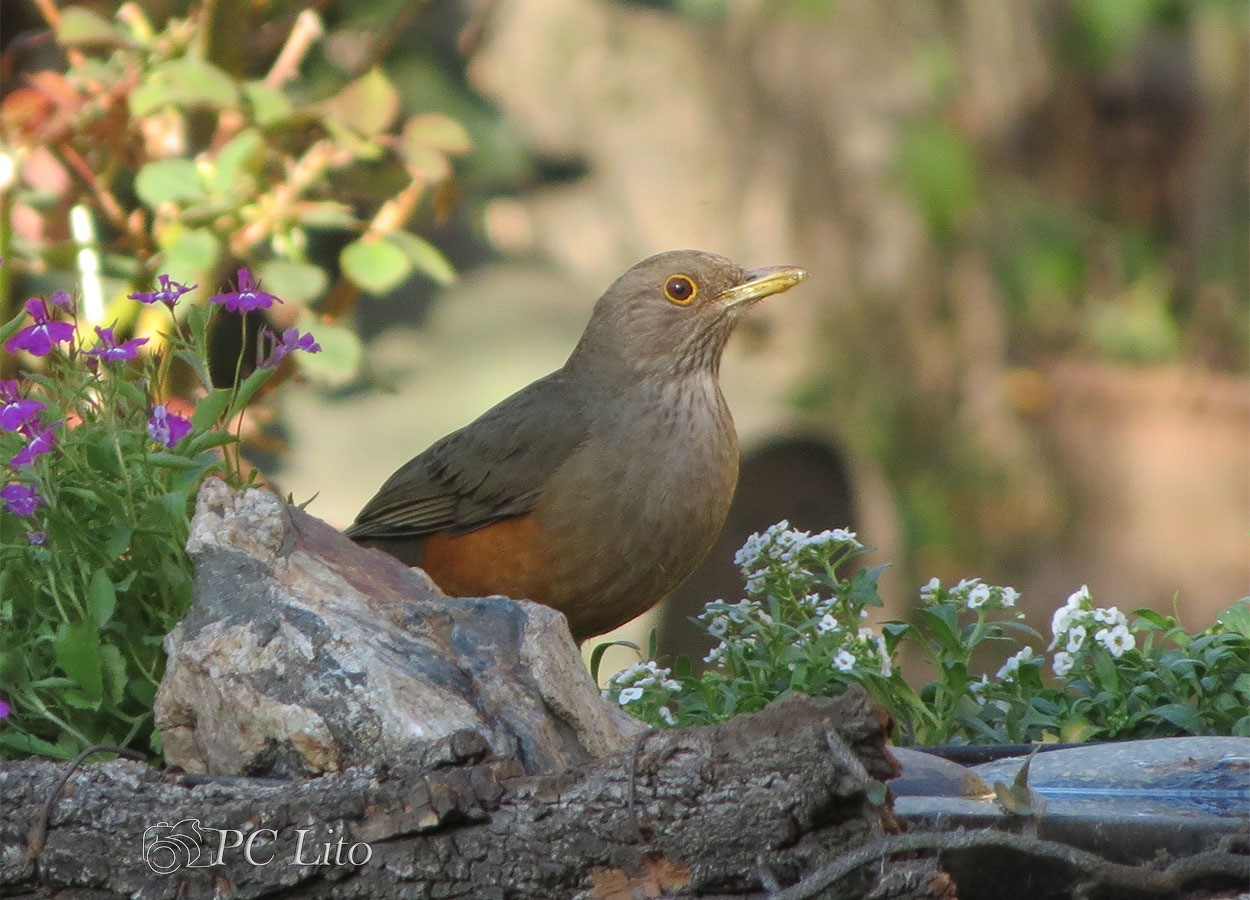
x: 22, y: 415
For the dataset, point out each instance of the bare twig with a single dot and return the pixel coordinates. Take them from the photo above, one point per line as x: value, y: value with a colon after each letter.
x: 1141, y: 879
x: 39, y: 834
x: 306, y: 31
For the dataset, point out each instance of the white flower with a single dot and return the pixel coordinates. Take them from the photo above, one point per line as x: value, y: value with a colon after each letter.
x: 714, y: 654
x: 978, y: 596
x: 629, y: 695
x: 1008, y: 597
x: 670, y: 685
x: 1076, y: 638
x: 1063, y: 663
x: 1110, y: 616
x: 749, y: 557
x: 1118, y: 640
x: 1068, y: 615
x: 740, y: 611
x: 811, y: 601
x: 886, y: 665
x: 756, y: 582
x: 830, y: 538
x: 1077, y: 599
x: 718, y: 626
x: 978, y: 687
x: 930, y: 589
x: 827, y: 623
x: 844, y: 661
x: 667, y: 715
x: 1007, y: 672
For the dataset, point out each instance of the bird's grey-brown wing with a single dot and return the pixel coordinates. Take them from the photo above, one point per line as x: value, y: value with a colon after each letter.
x: 492, y: 469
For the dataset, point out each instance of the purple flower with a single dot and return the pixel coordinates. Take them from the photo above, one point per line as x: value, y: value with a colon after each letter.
x: 110, y: 351
x: 62, y: 300
x: 5, y: 709
x: 37, y: 538
x: 246, y: 297
x: 167, y: 428
x: 40, y: 338
x: 168, y: 292
x: 20, y: 499
x: 38, y: 443
x: 290, y: 341
x: 16, y: 410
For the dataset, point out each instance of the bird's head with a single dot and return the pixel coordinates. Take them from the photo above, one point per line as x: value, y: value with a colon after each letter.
x: 673, y: 312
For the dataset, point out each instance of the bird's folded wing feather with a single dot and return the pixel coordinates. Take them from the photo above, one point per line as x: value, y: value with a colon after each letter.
x: 492, y: 469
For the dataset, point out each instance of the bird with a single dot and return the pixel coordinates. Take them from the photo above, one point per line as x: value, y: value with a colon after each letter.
x: 598, y: 488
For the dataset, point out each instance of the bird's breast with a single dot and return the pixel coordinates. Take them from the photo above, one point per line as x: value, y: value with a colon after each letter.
x: 639, y: 504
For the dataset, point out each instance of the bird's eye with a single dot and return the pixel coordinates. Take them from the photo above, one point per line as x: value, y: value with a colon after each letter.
x: 680, y: 289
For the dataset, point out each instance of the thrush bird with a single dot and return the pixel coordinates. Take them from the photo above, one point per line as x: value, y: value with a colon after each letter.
x: 597, y: 489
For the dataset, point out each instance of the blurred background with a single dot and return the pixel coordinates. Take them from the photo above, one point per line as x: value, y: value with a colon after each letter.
x: 1022, y: 352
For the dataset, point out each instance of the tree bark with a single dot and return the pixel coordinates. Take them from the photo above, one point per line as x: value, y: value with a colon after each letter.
x: 732, y: 810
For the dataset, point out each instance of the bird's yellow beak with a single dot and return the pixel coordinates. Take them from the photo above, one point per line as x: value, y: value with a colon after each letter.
x: 761, y: 283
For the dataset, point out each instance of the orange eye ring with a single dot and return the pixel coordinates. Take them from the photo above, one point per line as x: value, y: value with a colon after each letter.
x: 681, y: 289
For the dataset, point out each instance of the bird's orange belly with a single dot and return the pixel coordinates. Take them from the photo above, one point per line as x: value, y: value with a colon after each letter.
x: 508, y: 557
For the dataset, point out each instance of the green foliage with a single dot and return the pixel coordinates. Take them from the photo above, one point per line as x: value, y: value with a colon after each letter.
x: 192, y: 163
x: 799, y: 629
x: 95, y: 574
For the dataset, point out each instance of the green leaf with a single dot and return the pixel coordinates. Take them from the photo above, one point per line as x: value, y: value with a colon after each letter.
x: 1181, y: 715
x: 113, y: 664
x: 183, y: 82
x: 438, y: 132
x: 101, y: 598
x: 78, y: 655
x: 339, y: 359
x: 166, y: 460
x: 167, y: 180
x: 424, y: 256
x: 294, y: 281
x: 596, y: 655
x: 864, y: 587
x: 29, y: 745
x: 367, y: 105
x: 1237, y: 617
x: 426, y: 162
x: 188, y: 252
x: 269, y: 105
x: 377, y: 266
x: 251, y: 384
x: 325, y: 214
x: 78, y: 27
x: 234, y: 160
x: 210, y: 408
x: 940, y: 622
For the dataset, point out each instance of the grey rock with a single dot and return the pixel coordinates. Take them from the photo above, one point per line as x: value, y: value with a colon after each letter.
x: 303, y: 653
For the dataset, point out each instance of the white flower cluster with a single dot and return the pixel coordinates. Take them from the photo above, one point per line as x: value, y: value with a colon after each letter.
x: 866, y: 649
x: 634, y: 680
x: 1075, y: 621
x: 778, y: 548
x: 971, y: 592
